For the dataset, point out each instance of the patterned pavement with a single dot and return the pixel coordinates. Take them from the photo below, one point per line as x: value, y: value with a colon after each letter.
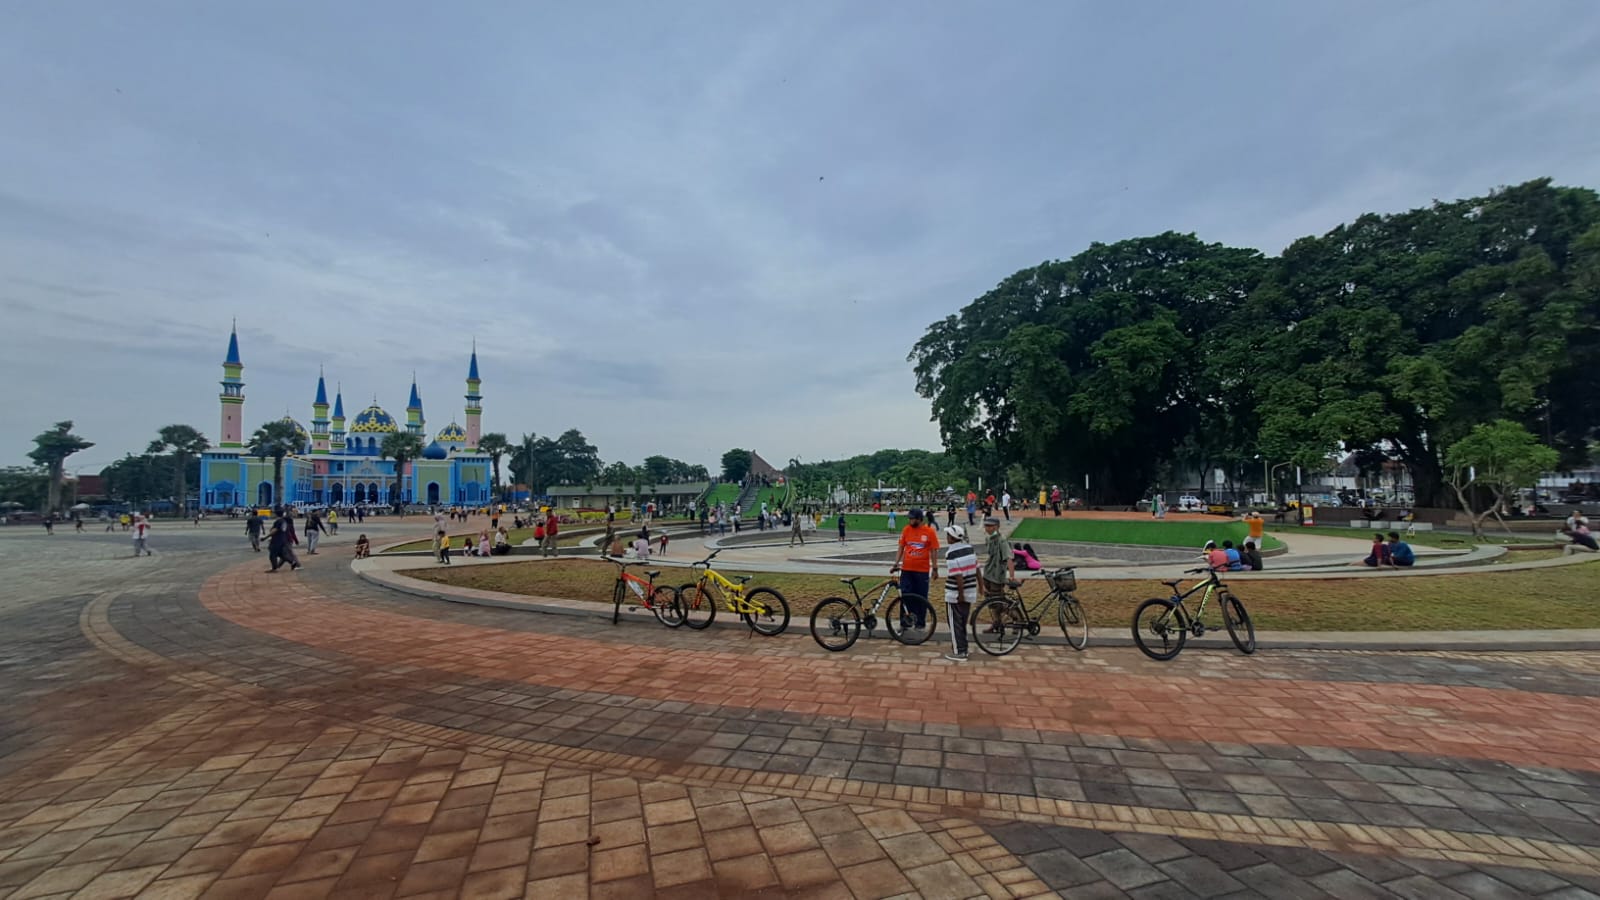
x: 187, y: 725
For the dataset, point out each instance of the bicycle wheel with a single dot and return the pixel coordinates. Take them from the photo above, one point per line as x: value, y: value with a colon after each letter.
x: 998, y: 626
x: 1158, y: 628
x: 771, y: 615
x: 1074, y: 622
x: 835, y: 624
x: 616, y: 603
x: 900, y: 619
x: 664, y: 603
x: 698, y: 601
x: 1239, y: 625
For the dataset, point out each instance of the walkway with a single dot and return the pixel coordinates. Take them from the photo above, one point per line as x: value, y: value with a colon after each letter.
x: 187, y: 725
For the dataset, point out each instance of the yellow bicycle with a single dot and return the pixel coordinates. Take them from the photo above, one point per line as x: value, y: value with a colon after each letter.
x: 762, y: 608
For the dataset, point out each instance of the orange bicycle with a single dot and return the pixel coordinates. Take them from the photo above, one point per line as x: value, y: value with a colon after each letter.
x: 662, y: 600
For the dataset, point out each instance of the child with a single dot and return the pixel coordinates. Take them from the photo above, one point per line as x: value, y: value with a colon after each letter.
x: 363, y: 549
x: 483, y: 543
x: 444, y: 549
x: 663, y: 550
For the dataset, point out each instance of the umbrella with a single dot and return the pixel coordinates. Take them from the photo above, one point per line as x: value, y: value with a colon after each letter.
x: 81, y: 506
x: 11, y: 504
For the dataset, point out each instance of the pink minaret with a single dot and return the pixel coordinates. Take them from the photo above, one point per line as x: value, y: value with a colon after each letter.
x: 232, y: 396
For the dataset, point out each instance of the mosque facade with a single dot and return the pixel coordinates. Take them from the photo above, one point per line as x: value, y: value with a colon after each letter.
x: 344, y: 466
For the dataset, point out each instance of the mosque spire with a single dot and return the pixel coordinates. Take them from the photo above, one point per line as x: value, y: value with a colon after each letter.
x: 414, y: 420
x: 474, y: 401
x: 232, y: 396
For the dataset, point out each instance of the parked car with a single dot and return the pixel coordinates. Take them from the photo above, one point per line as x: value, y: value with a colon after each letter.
x: 1190, y: 503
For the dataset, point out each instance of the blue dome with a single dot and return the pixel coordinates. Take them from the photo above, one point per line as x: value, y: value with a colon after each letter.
x: 373, y: 420
x: 452, y: 434
x: 434, y: 451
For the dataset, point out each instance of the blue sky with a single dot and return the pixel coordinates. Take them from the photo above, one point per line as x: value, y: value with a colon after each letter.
x: 690, y: 226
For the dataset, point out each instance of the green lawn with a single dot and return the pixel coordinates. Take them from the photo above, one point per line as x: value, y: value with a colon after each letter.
x: 1152, y: 533
x: 517, y: 536
x: 1543, y: 598
x: 722, y: 493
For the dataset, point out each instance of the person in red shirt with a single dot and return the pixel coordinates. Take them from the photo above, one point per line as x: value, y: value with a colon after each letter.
x: 917, y: 561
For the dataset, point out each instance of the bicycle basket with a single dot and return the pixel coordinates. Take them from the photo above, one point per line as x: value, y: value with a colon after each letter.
x: 1064, y: 580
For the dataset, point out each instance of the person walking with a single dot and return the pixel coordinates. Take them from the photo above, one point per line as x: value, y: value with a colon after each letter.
x: 794, y: 531
x: 841, y: 529
x: 917, y: 563
x: 1005, y: 504
x: 314, y: 531
x: 333, y: 521
x: 280, y: 545
x: 141, y: 535
x: 960, y: 588
x: 253, y: 527
x: 552, y: 527
x: 444, y: 549
x: 891, y: 518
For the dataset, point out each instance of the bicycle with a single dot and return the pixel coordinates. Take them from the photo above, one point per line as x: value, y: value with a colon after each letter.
x: 1011, y: 619
x: 662, y: 600
x: 762, y: 608
x: 1167, y: 619
x: 837, y: 622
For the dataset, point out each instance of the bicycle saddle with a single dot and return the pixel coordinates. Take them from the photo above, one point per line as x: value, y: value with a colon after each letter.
x: 851, y: 580
x: 742, y: 578
x: 1173, y: 583
x: 655, y: 574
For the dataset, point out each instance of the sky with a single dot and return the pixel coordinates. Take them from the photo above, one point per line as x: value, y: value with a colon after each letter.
x: 683, y: 227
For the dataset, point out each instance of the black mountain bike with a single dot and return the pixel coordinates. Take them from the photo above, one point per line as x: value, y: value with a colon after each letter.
x: 837, y: 622
x: 1000, y: 623
x: 1162, y: 625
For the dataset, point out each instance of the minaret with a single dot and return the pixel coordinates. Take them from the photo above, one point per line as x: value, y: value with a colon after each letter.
x: 319, y: 419
x: 414, y: 421
x: 474, y: 403
x: 336, y: 441
x: 232, y: 396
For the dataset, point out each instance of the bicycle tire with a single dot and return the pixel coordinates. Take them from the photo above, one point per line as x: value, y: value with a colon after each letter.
x: 1073, y: 620
x: 774, y: 615
x: 1165, y: 624
x: 699, y: 604
x: 998, y: 626
x: 664, y: 603
x: 911, y: 637
x: 836, y: 624
x: 616, y: 603
x: 1237, y: 619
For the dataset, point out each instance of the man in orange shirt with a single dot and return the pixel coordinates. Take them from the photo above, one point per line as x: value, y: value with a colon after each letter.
x: 918, y: 564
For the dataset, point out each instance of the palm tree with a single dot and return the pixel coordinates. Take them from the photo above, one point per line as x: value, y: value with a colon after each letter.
x: 186, y: 443
x: 402, y: 447
x: 495, y: 444
x: 277, y: 440
x: 54, y: 446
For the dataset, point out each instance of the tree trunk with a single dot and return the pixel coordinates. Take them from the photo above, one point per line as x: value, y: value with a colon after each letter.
x: 53, y: 498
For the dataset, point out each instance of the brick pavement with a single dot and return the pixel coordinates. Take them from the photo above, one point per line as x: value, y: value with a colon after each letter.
x: 188, y: 726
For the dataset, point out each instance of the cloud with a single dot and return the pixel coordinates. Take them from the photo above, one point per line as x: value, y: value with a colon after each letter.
x: 676, y: 228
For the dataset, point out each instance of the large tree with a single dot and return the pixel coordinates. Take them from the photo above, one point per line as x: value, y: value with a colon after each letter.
x: 23, y: 487
x: 402, y: 447
x: 735, y: 464
x: 185, y: 443
x: 51, y: 449
x: 1094, y: 365
x: 276, y: 440
x: 541, y: 462
x: 495, y: 445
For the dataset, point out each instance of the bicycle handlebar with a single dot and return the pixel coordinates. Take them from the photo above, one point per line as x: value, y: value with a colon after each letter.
x: 707, y: 560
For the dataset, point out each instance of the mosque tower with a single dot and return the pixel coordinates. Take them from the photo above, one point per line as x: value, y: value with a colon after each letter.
x: 474, y: 403
x: 336, y: 441
x: 414, y: 421
x: 232, y: 396
x: 319, y: 419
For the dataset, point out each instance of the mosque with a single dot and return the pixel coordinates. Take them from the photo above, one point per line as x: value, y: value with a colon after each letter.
x: 339, y: 467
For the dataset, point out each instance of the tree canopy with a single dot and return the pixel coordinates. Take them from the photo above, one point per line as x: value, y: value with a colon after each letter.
x: 1392, y: 335
x: 185, y: 443
x: 541, y: 462
x: 736, y: 464
x: 51, y: 449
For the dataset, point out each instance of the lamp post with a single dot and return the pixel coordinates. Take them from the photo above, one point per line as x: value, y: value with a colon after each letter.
x: 1274, y: 474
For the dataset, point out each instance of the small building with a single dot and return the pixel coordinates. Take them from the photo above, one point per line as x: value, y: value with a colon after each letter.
x: 598, y: 496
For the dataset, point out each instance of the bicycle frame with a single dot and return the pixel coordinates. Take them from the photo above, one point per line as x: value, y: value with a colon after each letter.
x: 1211, y: 585
x: 732, y: 593
x: 885, y: 588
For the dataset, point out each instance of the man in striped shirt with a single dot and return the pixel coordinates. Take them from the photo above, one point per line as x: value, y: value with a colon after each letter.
x: 960, y: 588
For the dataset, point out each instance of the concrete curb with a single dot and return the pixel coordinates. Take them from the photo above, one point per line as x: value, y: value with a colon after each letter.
x: 1116, y: 636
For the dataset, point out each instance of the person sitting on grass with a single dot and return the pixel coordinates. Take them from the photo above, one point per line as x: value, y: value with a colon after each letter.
x: 1216, y: 557
x: 1379, y: 557
x: 1251, y: 557
x: 1580, y: 537
x: 502, y: 542
x: 1235, y: 559
x: 363, y: 548
x: 1400, y: 552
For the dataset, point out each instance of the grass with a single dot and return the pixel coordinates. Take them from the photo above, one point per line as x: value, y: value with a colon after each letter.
x: 723, y: 493
x: 1444, y: 540
x: 1152, y: 534
x: 1544, y: 598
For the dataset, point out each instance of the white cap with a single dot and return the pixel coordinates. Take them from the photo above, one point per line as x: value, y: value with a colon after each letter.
x: 956, y: 533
